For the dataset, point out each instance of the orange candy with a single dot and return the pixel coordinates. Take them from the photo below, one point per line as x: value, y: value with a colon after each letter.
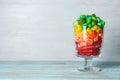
x: 92, y: 35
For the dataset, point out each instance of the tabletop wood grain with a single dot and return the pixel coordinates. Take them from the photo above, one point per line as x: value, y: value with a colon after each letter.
x: 56, y: 70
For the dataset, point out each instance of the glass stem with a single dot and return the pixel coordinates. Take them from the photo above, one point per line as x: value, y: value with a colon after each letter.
x: 88, y: 63
x: 86, y: 66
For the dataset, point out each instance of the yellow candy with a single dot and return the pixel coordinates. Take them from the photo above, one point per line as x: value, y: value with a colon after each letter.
x: 75, y: 23
x: 89, y: 30
x: 94, y: 28
x: 98, y: 29
x: 77, y: 29
x: 76, y: 33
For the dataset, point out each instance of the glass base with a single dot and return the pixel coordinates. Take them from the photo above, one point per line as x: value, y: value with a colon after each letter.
x: 89, y: 69
x: 88, y: 64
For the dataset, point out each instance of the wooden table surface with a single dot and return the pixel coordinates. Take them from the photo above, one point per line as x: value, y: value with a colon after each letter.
x: 56, y: 70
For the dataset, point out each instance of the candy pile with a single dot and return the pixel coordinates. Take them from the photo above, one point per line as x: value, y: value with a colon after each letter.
x: 88, y: 31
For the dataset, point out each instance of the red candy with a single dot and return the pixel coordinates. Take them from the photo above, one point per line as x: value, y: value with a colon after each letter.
x: 99, y: 40
x: 85, y: 48
x: 89, y: 50
x: 89, y: 42
x: 92, y: 52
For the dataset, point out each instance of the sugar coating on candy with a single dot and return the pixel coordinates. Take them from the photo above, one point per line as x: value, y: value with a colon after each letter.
x: 88, y: 31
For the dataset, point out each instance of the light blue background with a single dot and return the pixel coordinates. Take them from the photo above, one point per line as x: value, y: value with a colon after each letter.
x: 42, y: 29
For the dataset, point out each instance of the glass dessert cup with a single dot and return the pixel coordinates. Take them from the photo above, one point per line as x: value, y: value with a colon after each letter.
x: 88, y: 33
x: 88, y: 46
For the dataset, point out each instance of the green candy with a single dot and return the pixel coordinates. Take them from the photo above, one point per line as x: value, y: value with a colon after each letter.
x: 82, y: 21
x: 88, y: 20
x: 93, y: 15
x: 94, y: 19
x: 89, y: 25
x: 93, y: 23
x: 88, y: 16
x: 98, y: 19
x: 82, y: 16
x: 100, y: 25
x: 103, y: 23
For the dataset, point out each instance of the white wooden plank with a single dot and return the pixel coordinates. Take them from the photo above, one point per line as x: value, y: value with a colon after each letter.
x: 64, y: 70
